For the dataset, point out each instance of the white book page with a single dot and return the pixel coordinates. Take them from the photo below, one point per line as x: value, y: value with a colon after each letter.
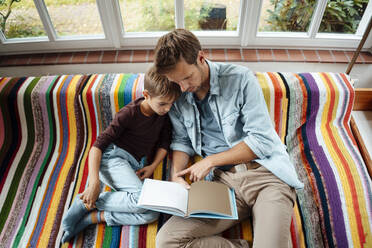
x: 165, y: 194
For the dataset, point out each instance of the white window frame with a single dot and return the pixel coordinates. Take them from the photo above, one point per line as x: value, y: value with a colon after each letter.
x: 246, y: 36
x: 304, y: 40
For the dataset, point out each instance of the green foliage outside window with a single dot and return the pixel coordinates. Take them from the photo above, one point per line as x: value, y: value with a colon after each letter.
x: 340, y: 16
x: 7, y: 10
x: 159, y: 15
x: 27, y: 25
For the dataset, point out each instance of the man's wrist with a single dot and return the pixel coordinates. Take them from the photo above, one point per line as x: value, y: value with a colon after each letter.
x: 211, y: 161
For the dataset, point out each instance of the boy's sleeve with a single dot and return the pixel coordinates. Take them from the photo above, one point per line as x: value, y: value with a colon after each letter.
x: 165, y: 135
x: 114, y: 130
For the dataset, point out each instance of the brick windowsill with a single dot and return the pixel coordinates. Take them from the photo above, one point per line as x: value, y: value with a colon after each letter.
x: 143, y: 56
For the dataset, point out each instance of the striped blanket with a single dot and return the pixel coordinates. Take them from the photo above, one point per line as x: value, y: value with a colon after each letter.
x: 47, y: 125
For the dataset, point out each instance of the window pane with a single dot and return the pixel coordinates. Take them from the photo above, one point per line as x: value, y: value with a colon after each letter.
x: 343, y: 16
x: 212, y: 14
x: 286, y: 15
x: 147, y: 16
x: 23, y: 21
x: 74, y: 17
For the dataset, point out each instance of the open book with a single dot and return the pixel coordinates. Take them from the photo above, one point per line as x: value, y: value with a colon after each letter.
x: 204, y: 199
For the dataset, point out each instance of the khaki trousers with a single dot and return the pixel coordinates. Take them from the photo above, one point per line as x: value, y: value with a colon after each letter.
x: 259, y: 194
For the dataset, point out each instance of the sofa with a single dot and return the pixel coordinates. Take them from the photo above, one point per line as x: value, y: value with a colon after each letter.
x: 48, y: 124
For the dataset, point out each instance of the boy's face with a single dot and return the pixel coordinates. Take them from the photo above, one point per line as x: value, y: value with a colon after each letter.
x: 160, y: 104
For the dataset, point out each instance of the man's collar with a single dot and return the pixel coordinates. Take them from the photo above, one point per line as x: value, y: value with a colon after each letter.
x: 213, y: 80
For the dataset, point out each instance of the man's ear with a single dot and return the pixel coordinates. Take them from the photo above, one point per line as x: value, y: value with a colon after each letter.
x: 146, y: 94
x: 201, y: 56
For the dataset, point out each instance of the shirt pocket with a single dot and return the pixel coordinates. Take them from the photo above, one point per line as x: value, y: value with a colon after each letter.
x: 231, y: 126
x: 188, y: 124
x: 190, y: 132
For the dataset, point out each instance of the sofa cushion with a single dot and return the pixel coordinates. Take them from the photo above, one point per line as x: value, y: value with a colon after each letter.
x: 47, y: 125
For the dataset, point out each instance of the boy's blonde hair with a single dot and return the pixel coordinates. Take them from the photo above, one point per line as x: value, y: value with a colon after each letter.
x: 159, y: 85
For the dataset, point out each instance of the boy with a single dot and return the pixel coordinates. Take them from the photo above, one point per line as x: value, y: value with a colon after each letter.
x: 141, y: 128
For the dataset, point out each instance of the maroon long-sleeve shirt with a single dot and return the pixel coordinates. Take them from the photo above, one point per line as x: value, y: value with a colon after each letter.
x: 136, y: 133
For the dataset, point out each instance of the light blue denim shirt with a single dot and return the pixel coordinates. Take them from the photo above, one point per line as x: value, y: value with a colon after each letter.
x: 239, y: 107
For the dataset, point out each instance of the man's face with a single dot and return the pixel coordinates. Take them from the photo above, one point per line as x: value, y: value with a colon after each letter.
x: 188, y: 77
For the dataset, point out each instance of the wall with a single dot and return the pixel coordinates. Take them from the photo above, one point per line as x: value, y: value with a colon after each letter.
x: 361, y: 73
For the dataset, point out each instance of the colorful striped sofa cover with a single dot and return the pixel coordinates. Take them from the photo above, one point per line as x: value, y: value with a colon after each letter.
x: 47, y: 125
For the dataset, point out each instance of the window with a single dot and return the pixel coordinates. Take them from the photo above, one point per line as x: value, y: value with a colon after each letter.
x: 295, y: 16
x: 147, y: 16
x: 21, y: 20
x: 211, y: 15
x: 70, y: 18
x: 343, y: 16
x: 47, y: 25
x: 286, y: 16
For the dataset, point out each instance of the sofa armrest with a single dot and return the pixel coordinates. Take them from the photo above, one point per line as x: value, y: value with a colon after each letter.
x: 363, y: 99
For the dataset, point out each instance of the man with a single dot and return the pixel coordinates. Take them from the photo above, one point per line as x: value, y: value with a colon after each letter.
x: 222, y: 116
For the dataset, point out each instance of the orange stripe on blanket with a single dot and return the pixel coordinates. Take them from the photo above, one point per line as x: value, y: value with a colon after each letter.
x: 284, y: 109
x: 134, y: 88
x: 278, y: 100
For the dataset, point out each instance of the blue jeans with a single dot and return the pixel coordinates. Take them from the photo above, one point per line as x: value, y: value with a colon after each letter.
x: 120, y: 206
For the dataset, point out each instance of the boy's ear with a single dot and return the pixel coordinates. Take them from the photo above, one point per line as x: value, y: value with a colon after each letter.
x: 146, y: 94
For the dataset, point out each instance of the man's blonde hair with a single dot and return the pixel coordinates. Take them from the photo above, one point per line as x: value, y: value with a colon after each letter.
x: 159, y: 85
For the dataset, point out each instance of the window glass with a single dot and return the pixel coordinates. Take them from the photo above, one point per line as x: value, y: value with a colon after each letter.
x: 343, y: 16
x: 75, y: 17
x: 20, y: 19
x: 286, y: 15
x: 147, y: 16
x: 211, y: 14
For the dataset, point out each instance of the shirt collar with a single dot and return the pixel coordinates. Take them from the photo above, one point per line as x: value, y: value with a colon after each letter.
x: 213, y: 80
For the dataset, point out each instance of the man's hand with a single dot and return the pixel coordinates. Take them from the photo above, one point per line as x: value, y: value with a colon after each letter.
x: 198, y: 170
x: 90, y: 195
x: 146, y: 171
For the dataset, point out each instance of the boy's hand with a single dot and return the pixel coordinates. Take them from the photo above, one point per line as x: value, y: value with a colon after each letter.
x: 90, y: 195
x: 145, y: 172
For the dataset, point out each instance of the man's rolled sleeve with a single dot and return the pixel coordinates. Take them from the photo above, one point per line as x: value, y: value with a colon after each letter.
x: 255, y: 146
x: 257, y: 126
x: 180, y: 139
x: 183, y: 148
